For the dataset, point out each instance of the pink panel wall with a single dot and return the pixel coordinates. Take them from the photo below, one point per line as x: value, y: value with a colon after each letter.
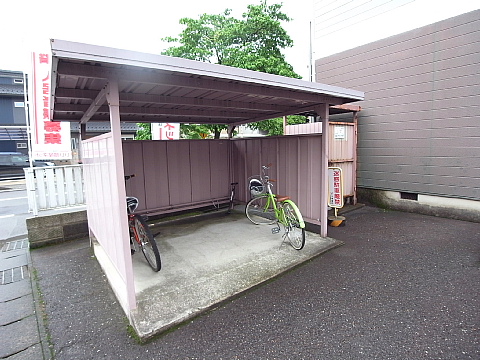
x: 156, y: 185
x: 132, y: 165
x: 177, y: 174
x: 188, y: 173
x: 348, y: 175
x: 344, y: 148
x: 107, y: 215
x: 220, y: 168
x: 200, y: 169
x: 295, y: 165
x: 304, y: 129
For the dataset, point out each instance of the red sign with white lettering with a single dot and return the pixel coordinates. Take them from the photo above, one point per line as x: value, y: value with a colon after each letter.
x: 335, y: 187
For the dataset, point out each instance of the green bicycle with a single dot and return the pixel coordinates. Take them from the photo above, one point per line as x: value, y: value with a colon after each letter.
x: 268, y: 208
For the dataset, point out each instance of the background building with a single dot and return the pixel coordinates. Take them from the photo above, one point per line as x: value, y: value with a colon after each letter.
x: 418, y: 131
x: 13, y: 127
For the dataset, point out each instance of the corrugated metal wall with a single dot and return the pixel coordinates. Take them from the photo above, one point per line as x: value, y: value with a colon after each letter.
x: 418, y: 130
x: 342, y: 154
x: 296, y: 167
x: 171, y: 175
x: 106, y: 215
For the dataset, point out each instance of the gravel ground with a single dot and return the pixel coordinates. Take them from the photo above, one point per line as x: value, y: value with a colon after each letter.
x: 404, y: 286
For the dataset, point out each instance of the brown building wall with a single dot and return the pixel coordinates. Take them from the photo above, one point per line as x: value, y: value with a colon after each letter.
x: 419, y: 128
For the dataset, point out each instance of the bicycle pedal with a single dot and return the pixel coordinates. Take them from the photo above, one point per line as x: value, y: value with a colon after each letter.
x: 275, y: 230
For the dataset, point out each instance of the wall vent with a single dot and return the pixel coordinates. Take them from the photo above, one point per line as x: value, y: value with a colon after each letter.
x: 408, y: 196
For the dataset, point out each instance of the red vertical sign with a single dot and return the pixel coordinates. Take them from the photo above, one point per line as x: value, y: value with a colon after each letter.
x: 50, y: 139
x: 335, y: 187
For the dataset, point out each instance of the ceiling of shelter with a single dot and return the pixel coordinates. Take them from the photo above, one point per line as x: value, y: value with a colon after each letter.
x: 156, y: 88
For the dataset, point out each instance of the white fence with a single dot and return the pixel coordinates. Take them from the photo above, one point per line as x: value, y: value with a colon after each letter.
x: 54, y: 187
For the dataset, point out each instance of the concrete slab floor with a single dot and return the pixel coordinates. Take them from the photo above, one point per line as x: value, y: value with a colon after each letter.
x: 207, y: 260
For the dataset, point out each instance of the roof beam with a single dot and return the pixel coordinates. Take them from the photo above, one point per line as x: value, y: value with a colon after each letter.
x: 190, y: 101
x: 94, y: 106
x: 150, y: 111
x: 78, y: 94
x: 194, y: 82
x: 151, y: 119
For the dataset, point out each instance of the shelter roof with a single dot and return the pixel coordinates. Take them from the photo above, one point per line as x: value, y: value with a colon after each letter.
x: 158, y: 88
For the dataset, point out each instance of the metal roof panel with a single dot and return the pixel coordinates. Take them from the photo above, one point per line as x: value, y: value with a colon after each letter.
x: 158, y: 88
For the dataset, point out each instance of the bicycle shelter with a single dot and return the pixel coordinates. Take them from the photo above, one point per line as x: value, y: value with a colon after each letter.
x: 93, y: 83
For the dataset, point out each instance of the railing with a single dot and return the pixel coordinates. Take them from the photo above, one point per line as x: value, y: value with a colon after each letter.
x: 54, y: 187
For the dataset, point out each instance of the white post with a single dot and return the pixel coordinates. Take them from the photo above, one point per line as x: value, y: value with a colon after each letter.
x: 27, y: 119
x: 31, y: 194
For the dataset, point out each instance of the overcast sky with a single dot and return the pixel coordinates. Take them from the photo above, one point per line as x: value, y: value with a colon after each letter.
x: 337, y: 25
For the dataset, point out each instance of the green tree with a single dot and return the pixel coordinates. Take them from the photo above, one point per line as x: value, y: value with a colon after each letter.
x: 194, y: 131
x: 254, y: 42
x: 274, y: 127
x: 144, y: 131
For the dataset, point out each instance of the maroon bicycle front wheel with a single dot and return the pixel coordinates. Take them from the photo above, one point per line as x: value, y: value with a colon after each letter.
x: 147, y: 242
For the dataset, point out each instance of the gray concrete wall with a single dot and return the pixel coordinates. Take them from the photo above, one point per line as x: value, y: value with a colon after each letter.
x: 418, y: 130
x: 53, y: 229
x: 457, y: 209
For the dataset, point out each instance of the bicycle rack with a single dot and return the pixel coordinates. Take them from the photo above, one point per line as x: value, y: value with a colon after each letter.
x: 216, y: 204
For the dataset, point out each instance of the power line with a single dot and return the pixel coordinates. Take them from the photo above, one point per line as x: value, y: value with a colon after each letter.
x: 343, y: 13
x: 338, y: 7
x: 356, y: 15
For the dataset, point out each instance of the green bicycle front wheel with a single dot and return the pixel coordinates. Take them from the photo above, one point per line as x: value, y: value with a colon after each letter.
x: 293, y: 230
x: 260, y: 210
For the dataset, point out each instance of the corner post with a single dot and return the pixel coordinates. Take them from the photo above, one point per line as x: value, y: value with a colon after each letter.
x: 118, y: 182
x: 323, y: 112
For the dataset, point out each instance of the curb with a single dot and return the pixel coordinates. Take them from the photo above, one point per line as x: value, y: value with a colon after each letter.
x: 40, y: 314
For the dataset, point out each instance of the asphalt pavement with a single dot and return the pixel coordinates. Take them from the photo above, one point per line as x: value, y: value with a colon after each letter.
x: 403, y: 286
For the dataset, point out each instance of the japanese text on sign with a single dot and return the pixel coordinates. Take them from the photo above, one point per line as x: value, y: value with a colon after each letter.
x: 335, y: 187
x: 165, y: 131
x: 51, y: 140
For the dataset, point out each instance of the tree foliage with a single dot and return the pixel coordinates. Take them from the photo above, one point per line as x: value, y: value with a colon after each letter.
x: 254, y: 42
x: 144, y: 131
x: 274, y: 127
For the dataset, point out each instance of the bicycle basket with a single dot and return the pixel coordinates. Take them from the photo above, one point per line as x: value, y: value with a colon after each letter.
x: 132, y: 204
x: 256, y: 187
